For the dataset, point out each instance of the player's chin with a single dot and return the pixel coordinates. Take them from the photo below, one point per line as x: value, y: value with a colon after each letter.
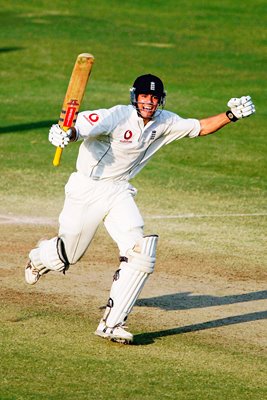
x: 147, y: 114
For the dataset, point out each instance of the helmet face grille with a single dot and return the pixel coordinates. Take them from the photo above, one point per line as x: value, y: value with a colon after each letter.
x: 148, y: 84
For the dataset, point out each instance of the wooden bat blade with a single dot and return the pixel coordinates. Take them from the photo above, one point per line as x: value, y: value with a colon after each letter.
x: 74, y: 95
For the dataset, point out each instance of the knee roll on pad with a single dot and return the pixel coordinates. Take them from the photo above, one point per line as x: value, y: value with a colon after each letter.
x: 130, y: 280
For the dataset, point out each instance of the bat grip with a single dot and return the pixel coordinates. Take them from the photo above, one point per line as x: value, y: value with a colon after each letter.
x: 57, y: 156
x: 59, y: 150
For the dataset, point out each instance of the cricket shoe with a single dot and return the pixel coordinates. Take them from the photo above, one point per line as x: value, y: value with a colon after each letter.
x: 117, y: 334
x: 32, y: 274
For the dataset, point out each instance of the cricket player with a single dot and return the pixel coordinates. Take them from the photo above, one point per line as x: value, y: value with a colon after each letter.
x: 116, y: 143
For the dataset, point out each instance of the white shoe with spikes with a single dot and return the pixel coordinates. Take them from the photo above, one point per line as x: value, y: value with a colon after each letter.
x: 116, y: 334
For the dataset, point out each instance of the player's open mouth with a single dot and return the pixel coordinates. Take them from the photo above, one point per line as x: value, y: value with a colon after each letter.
x: 148, y: 109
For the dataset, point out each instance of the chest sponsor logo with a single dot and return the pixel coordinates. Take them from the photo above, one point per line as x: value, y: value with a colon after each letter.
x: 127, y: 137
x: 92, y: 118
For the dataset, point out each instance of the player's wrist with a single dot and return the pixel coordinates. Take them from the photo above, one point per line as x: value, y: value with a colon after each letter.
x: 230, y: 115
x: 72, y: 134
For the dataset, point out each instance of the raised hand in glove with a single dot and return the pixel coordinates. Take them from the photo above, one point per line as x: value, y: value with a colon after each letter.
x: 58, y: 137
x: 240, y: 108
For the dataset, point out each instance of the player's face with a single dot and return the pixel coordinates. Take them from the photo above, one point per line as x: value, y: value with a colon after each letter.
x: 147, y: 105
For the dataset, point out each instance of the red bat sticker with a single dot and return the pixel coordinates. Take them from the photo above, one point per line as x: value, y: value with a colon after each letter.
x: 70, y: 114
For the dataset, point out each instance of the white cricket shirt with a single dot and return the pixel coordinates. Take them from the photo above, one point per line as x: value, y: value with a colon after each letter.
x: 116, y: 144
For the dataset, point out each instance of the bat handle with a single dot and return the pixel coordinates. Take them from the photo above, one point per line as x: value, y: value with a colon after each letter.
x: 57, y: 156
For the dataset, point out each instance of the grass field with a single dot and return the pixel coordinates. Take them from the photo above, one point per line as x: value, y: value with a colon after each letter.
x: 200, y: 323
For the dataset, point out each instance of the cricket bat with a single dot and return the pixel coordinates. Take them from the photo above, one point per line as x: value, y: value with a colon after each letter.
x: 74, y: 95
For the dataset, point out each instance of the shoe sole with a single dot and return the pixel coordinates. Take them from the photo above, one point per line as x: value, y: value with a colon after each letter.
x: 113, y: 338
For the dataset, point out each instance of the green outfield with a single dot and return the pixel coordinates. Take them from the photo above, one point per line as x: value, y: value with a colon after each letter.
x: 200, y: 324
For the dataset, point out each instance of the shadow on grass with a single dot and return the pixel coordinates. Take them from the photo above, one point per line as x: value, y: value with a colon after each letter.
x: 187, y: 301
x: 149, y: 338
x: 27, y: 127
x: 9, y: 49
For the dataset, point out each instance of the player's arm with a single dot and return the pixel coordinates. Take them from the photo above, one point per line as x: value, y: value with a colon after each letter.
x: 238, y: 108
x: 213, y: 124
x: 87, y: 122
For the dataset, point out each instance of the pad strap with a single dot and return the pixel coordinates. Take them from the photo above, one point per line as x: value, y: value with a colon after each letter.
x: 50, y: 255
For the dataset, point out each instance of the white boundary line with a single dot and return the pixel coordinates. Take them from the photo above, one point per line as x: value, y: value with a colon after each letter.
x: 191, y: 215
x: 27, y: 220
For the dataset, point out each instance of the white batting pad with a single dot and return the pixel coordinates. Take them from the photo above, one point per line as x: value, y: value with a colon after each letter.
x: 45, y: 256
x: 130, y: 280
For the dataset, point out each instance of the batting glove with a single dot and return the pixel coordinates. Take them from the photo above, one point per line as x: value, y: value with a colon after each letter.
x: 240, y: 108
x: 58, y: 137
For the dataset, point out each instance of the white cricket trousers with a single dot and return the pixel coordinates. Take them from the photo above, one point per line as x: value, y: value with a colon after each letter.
x: 87, y: 203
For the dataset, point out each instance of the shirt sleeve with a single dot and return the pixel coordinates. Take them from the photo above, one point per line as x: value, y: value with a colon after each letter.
x: 96, y: 122
x: 178, y: 128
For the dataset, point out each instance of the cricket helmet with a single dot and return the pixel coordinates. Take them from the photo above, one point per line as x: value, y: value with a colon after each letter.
x: 148, y: 84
